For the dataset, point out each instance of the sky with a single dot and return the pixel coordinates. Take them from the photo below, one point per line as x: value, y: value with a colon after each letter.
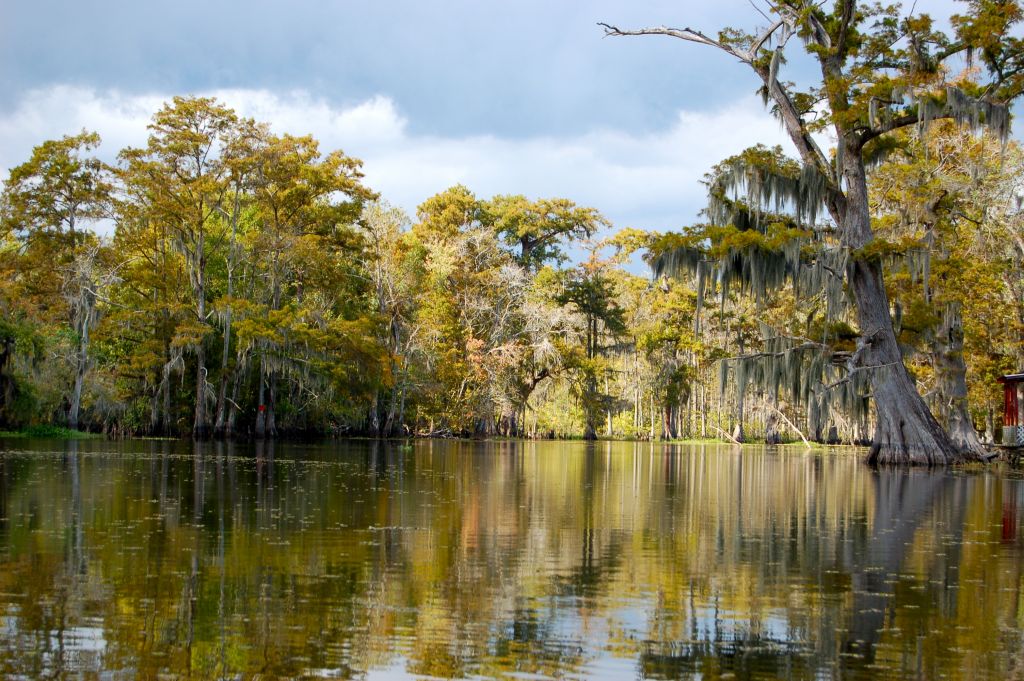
x: 523, y: 97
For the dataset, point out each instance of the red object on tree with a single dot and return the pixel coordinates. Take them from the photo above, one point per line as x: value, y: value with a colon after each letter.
x: 263, y: 407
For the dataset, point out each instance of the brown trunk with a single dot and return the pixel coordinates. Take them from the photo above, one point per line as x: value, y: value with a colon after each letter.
x: 221, y: 419
x: 737, y: 431
x: 6, y: 381
x: 169, y: 427
x: 668, y: 420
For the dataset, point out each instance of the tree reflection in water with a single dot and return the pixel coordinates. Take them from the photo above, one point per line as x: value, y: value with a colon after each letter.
x: 462, y: 559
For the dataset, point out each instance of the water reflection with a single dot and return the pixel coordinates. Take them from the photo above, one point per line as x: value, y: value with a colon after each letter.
x: 366, y: 560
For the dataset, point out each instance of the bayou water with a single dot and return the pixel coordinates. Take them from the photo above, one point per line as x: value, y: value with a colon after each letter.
x: 370, y: 560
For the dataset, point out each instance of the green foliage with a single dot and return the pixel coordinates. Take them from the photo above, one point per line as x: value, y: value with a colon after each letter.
x: 253, y: 281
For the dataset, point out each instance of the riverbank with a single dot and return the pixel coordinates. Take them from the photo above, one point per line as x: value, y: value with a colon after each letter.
x: 52, y: 432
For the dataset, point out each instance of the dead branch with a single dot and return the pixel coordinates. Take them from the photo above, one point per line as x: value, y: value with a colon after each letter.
x: 789, y: 423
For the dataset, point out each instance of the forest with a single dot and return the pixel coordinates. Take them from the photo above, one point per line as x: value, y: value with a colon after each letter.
x: 228, y: 281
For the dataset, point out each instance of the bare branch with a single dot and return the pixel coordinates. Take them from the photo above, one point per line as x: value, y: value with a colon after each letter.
x: 763, y: 38
x: 726, y: 435
x: 809, y: 151
x: 681, y: 33
x: 789, y: 423
x: 759, y: 10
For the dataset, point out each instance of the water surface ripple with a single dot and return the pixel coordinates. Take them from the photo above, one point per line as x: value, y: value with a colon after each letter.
x: 371, y: 560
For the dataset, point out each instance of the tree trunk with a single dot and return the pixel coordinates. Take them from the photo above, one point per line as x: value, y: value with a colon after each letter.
x: 389, y: 421
x: 652, y: 412
x: 260, y: 430
x: 201, y: 425
x: 737, y: 431
x: 772, y: 436
x: 220, y: 420
x: 6, y: 381
x: 703, y: 410
x: 375, y: 414
x: 608, y: 411
x: 668, y: 419
x: 271, y: 429
x: 170, y: 427
x: 401, y: 405
x: 741, y: 399
x: 590, y: 427
x: 154, y: 412
x: 80, y: 369
x: 951, y: 374
x: 236, y: 384
x: 589, y: 408
x: 906, y: 433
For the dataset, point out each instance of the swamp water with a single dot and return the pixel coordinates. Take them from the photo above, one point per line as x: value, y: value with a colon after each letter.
x: 518, y: 560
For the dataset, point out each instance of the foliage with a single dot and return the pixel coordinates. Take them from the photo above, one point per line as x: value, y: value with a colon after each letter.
x: 253, y: 285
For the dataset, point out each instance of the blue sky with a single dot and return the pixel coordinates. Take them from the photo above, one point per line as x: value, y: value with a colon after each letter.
x: 512, y: 97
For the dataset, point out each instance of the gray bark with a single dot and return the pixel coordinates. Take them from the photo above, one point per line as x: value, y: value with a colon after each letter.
x: 201, y: 424
x: 80, y: 371
x: 951, y: 374
x: 905, y: 430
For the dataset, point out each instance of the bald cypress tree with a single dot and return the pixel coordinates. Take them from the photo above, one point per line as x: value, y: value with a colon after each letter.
x: 879, y: 71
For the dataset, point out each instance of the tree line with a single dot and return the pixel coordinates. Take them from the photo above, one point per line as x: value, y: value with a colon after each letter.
x: 251, y: 284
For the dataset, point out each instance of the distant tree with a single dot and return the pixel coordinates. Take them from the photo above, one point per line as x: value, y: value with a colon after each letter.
x: 184, y: 177
x: 590, y: 290
x: 302, y: 199
x: 539, y: 229
x: 86, y: 281
x: 396, y: 289
x: 49, y: 204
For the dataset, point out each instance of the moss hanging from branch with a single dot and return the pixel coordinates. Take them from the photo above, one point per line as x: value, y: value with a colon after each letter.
x: 973, y: 113
x: 767, y: 181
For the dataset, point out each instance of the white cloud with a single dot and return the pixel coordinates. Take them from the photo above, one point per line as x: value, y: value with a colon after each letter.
x: 648, y: 180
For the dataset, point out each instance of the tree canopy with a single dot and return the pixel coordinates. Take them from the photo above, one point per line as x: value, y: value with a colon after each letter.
x: 224, y: 280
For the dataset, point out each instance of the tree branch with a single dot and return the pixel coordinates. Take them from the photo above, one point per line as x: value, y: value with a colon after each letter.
x: 681, y: 33
x: 789, y: 423
x: 808, y: 149
x: 726, y: 435
x: 844, y: 30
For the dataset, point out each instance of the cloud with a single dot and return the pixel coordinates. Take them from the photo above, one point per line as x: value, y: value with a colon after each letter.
x: 646, y: 180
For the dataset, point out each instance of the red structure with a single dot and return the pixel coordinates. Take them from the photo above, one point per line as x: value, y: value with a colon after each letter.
x: 1012, y: 420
